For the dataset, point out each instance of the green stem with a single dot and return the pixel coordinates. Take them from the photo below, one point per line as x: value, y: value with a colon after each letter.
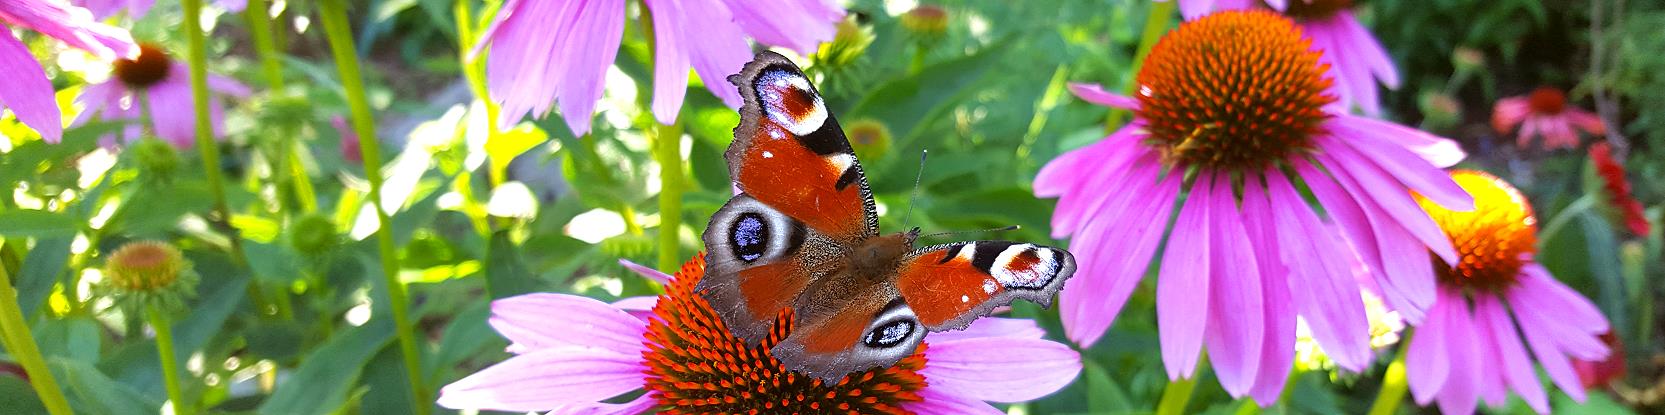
x: 170, y: 365
x: 209, y: 149
x: 1156, y: 25
x: 1176, y: 396
x: 1565, y: 216
x: 1393, y: 384
x: 260, y: 27
x: 21, y: 344
x: 667, y: 151
x: 334, y: 16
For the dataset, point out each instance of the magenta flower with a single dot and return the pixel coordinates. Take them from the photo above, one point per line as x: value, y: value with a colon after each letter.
x: 572, y: 353
x: 25, y: 90
x: 1544, y: 113
x: 1467, y: 349
x: 1357, y: 61
x: 1247, y: 254
x: 152, y: 85
x: 103, y: 9
x: 544, y: 52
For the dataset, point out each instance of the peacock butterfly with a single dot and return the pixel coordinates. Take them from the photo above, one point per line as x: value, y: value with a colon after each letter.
x: 803, y: 233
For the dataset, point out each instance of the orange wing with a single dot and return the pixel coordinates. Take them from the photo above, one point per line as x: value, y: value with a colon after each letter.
x: 950, y: 285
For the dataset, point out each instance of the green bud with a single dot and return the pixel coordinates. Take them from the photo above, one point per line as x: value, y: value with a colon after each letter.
x: 145, y: 274
x: 314, y: 235
x: 156, y: 158
x: 926, y: 21
x: 870, y: 138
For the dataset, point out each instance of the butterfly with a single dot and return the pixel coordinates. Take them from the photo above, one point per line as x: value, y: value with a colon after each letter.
x: 802, y: 233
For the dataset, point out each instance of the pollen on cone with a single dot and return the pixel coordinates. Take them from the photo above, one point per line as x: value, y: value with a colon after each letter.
x: 1491, y: 239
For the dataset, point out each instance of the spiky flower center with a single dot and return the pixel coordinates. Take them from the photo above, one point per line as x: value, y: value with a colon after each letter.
x: 1547, y: 100
x: 1315, y: 9
x: 698, y: 367
x: 148, y: 69
x: 1235, y: 90
x: 1492, y: 239
x: 144, y: 266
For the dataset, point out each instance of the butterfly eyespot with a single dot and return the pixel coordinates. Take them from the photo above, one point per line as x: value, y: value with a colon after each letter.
x: 889, y: 335
x: 750, y: 236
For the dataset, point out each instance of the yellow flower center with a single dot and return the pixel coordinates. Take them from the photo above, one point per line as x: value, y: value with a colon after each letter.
x: 698, y: 367
x: 1235, y: 90
x: 1491, y: 239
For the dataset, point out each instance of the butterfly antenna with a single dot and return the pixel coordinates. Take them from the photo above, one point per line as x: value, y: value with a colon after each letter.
x: 952, y: 233
x: 908, y: 219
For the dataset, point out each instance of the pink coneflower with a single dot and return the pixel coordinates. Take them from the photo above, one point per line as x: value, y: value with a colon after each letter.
x: 1467, y: 349
x: 1600, y: 373
x: 24, y: 89
x: 136, y: 9
x: 351, y: 149
x: 152, y: 85
x: 573, y: 352
x: 1544, y: 113
x: 1357, y: 61
x: 543, y: 52
x: 1233, y: 111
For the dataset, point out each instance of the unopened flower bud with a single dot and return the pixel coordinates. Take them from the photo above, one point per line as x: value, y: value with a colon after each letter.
x: 870, y: 138
x: 147, y: 274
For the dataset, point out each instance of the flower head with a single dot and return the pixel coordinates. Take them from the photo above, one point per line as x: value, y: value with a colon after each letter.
x: 546, y: 52
x: 1466, y: 350
x: 146, y: 274
x: 1355, y: 60
x: 1616, y: 188
x: 153, y: 85
x: 1544, y: 112
x: 926, y: 21
x: 689, y: 363
x: 25, y: 90
x: 1232, y: 112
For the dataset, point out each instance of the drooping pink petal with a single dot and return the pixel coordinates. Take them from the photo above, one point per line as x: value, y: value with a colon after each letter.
x: 1061, y: 175
x: 1096, y: 94
x: 544, y: 320
x: 1009, y: 328
x: 1427, y: 363
x: 75, y: 26
x: 1494, y: 387
x: 1182, y: 294
x: 1277, y: 352
x: 718, y: 48
x: 1351, y: 218
x: 169, y: 103
x: 1406, y: 273
x: 1516, y: 367
x: 1377, y: 186
x: 1539, y: 288
x: 25, y: 90
x: 586, y: 54
x: 640, y: 307
x: 1439, y: 151
x: 799, y: 25
x: 1322, y: 282
x: 547, y: 378
x: 1114, y: 255
x: 1461, y: 392
x: 1405, y: 166
x: 1000, y: 369
x: 1552, y: 313
x: 1354, y: 84
x: 1368, y: 49
x: 1543, y: 342
x: 1586, y: 121
x: 1508, y: 113
x: 640, y: 405
x: 649, y: 273
x: 234, y: 6
x: 1083, y: 202
x: 1235, y: 328
x: 934, y: 401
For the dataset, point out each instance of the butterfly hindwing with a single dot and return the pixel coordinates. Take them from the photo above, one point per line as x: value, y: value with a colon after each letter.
x: 756, y: 264
x: 790, y: 153
x: 845, y: 326
x: 950, y: 285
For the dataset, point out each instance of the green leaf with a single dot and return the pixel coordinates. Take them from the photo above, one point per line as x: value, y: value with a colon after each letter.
x: 92, y: 392
x: 213, y: 307
x: 915, y: 100
x: 46, y: 261
x: 1103, y: 393
x: 273, y: 263
x: 37, y: 223
x: 327, y: 375
x: 506, y: 271
x: 18, y: 397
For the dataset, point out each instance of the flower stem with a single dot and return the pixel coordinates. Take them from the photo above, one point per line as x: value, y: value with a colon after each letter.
x: 170, y: 365
x: 260, y: 27
x: 1156, y: 25
x: 1394, y: 385
x: 667, y: 151
x: 1565, y: 216
x: 334, y: 16
x: 21, y: 345
x: 1176, y: 396
x: 209, y: 149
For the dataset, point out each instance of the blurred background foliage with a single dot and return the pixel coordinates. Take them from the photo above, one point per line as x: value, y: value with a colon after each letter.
x: 286, y: 318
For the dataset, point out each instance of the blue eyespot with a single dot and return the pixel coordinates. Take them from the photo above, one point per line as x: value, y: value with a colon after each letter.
x: 889, y: 335
x: 749, y: 236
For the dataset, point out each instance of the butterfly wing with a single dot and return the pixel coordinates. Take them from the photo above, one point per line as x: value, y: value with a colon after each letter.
x: 868, y: 326
x: 804, y: 200
x: 947, y: 286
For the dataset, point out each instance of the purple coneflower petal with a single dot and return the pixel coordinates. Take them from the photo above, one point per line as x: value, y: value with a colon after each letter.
x: 1427, y: 364
x: 1119, y: 154
x: 1000, y: 369
x: 1517, y: 367
x: 1590, y: 123
x: 1539, y: 288
x: 234, y: 6
x: 547, y: 378
x: 1192, y: 9
x: 670, y: 60
x: 1010, y: 328
x: 640, y: 307
x: 169, y: 103
x: 1494, y: 388
x: 1462, y: 387
x: 1182, y: 294
x: 795, y: 24
x: 1059, y: 177
x: 934, y: 401
x: 1410, y: 169
x: 1366, y: 47
x: 641, y: 405
x: 1096, y: 94
x: 1322, y: 279
x: 1235, y: 328
x: 1277, y: 352
x: 1542, y: 340
x: 1359, y: 227
x: 1439, y: 151
x: 598, y: 28
x: 1110, y: 269
x: 526, y: 321
x: 718, y: 50
x: 25, y: 90
x: 74, y: 26
x: 649, y: 273
x: 1375, y: 186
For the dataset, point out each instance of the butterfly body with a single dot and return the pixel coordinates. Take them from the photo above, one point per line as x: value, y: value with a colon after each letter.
x: 803, y: 234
